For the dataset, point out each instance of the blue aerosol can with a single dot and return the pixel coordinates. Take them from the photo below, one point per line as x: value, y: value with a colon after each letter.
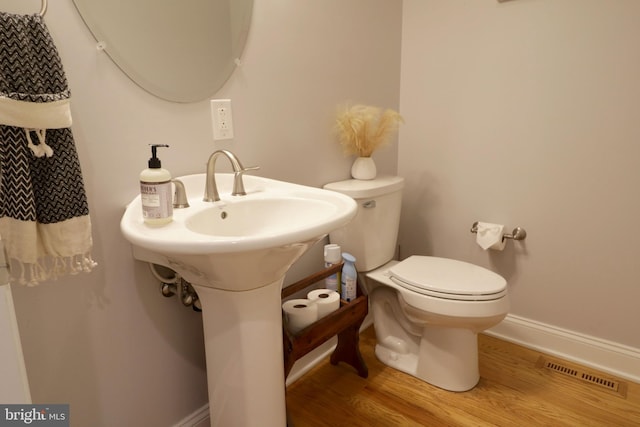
x: 349, y: 280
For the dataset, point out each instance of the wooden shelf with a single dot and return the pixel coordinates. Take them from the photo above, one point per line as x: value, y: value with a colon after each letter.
x: 345, y: 322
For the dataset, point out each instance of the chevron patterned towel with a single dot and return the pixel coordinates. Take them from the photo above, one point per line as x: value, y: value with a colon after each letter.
x: 44, y: 216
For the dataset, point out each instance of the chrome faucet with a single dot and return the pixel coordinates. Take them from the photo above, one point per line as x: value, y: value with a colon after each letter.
x: 211, y: 189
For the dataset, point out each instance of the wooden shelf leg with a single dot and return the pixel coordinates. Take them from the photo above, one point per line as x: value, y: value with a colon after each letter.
x: 348, y: 349
x: 289, y: 358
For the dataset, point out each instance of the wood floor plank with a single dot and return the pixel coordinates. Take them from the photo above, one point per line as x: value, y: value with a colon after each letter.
x: 512, y: 391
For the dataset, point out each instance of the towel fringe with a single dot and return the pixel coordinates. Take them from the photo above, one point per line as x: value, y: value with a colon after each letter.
x: 42, y: 149
x: 31, y: 274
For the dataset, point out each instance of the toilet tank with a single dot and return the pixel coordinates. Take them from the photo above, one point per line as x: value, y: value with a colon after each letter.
x: 373, y: 234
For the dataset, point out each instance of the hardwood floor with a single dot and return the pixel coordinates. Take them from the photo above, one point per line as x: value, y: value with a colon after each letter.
x: 513, y: 391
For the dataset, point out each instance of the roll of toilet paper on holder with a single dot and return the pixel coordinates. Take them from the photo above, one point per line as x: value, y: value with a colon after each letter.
x: 326, y: 300
x: 300, y: 313
x: 489, y: 236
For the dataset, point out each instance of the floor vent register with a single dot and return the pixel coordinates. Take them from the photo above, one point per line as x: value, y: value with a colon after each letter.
x: 560, y: 366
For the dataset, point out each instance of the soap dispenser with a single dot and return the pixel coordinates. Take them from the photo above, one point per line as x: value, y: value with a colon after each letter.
x: 155, y: 191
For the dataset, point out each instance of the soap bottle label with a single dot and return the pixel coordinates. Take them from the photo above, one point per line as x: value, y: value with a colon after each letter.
x: 156, y: 200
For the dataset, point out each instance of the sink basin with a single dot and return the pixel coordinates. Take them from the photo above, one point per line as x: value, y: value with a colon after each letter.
x: 275, y: 221
x: 260, y: 219
x: 272, y: 213
x: 236, y: 252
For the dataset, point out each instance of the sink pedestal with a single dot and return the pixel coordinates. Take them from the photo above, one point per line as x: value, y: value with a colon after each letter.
x: 243, y: 344
x: 235, y: 252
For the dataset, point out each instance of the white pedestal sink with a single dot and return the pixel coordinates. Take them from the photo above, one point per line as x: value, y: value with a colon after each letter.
x: 235, y: 253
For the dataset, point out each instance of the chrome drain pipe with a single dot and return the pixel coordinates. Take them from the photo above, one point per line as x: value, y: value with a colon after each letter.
x: 173, y: 284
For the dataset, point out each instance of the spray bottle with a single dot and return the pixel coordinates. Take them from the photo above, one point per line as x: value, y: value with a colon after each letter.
x: 348, y: 291
x: 332, y: 256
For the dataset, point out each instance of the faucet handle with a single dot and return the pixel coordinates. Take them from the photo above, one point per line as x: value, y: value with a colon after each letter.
x: 179, y: 195
x: 238, y: 184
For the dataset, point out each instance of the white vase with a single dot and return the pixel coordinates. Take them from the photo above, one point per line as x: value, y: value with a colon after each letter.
x: 363, y: 168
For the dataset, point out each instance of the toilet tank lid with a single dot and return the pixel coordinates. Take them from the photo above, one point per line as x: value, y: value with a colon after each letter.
x: 359, y: 188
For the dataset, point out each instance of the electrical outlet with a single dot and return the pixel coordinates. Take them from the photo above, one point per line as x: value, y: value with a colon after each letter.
x: 222, y: 119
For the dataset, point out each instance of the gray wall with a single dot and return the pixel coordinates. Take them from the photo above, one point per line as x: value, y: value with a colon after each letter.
x: 525, y: 113
x: 107, y: 342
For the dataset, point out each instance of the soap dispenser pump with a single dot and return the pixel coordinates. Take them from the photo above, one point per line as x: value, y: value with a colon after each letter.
x: 155, y: 191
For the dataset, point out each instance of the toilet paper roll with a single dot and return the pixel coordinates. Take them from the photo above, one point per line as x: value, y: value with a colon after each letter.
x: 326, y: 300
x: 489, y: 236
x: 300, y: 313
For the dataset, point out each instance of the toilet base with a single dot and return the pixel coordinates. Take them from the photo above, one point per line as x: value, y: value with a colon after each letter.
x: 446, y: 358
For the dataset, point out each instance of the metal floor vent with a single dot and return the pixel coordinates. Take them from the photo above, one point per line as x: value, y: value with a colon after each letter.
x: 614, y: 385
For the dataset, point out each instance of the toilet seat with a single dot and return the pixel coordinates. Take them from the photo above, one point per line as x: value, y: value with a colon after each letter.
x: 448, y: 279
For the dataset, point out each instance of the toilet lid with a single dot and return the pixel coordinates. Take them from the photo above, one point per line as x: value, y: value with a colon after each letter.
x: 448, y: 278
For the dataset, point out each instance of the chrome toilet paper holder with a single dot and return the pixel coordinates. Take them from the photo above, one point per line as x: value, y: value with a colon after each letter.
x: 518, y: 233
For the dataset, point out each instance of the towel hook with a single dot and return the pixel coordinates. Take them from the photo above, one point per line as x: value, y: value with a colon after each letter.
x: 43, y: 10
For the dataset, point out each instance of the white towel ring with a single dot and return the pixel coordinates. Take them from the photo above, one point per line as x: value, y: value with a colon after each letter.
x: 43, y: 10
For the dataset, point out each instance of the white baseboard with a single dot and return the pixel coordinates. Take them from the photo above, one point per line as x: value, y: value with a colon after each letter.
x: 199, y: 418
x: 606, y: 356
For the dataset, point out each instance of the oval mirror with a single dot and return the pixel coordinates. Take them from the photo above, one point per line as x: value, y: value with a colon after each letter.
x: 181, y: 51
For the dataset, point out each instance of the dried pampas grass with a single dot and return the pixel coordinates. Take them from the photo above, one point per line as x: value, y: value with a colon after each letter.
x: 361, y: 129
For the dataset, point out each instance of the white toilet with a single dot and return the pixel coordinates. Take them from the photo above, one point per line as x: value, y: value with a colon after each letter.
x: 427, y: 311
